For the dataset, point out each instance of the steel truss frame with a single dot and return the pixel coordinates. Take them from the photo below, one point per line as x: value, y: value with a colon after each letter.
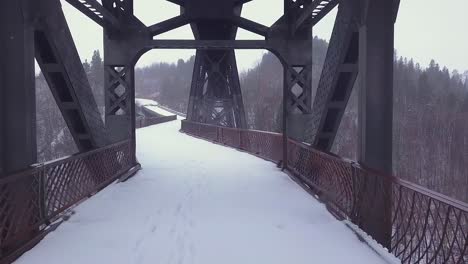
x: 215, y: 95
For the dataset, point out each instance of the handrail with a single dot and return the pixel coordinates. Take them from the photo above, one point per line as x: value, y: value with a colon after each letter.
x: 443, y: 198
x: 39, y: 166
x: 413, y: 222
x: 418, y: 188
x: 31, y: 199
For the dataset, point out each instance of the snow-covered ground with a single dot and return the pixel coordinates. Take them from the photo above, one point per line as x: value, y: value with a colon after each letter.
x: 201, y: 203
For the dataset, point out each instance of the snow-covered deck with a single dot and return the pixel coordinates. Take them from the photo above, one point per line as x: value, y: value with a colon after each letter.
x: 197, y: 202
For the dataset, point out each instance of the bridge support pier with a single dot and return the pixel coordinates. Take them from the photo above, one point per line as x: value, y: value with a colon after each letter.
x: 120, y: 53
x: 376, y: 116
x: 215, y: 94
x: 18, y: 149
x: 294, y: 48
x: 17, y: 90
x: 296, y: 56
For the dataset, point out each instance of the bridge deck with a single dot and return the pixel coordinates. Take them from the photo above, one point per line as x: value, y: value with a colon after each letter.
x: 197, y: 202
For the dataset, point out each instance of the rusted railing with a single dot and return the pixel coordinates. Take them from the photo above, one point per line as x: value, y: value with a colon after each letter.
x: 263, y: 144
x: 32, y: 199
x: 423, y: 226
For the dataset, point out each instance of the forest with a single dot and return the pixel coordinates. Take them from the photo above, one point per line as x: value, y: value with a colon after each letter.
x: 430, y: 113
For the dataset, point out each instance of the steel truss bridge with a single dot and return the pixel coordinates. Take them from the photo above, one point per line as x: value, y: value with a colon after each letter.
x: 417, y: 225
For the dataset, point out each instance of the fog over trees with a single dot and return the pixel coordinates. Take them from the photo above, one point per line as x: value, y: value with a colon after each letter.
x: 430, y: 113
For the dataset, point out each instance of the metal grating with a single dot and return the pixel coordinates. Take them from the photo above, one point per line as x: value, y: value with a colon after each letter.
x: 29, y: 200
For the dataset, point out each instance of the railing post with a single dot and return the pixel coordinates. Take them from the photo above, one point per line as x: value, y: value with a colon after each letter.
x: 40, y: 174
x: 376, y: 115
x: 240, y: 139
x: 285, y: 118
x: 18, y: 149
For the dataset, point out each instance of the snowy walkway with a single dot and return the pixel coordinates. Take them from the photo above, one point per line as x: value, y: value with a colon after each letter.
x: 197, y: 202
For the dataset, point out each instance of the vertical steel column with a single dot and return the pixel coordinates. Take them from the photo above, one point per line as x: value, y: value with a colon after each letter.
x: 119, y: 70
x: 297, y: 63
x: 18, y: 98
x: 215, y: 93
x: 375, y: 114
x: 18, y: 149
x: 285, y: 121
x: 238, y: 102
x: 196, y: 89
x: 296, y: 57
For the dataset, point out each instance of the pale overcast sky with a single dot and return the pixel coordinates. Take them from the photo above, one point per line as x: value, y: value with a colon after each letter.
x: 425, y: 30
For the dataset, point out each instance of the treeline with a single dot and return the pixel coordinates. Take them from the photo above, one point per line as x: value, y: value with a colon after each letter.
x: 430, y: 127
x: 167, y: 83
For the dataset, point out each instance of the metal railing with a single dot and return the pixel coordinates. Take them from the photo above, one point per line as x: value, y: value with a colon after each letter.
x: 30, y: 200
x: 422, y: 226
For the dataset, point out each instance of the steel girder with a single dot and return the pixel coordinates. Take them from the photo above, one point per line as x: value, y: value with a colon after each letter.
x: 120, y: 49
x: 208, y: 44
x: 312, y: 12
x: 60, y: 63
x: 294, y: 48
x: 18, y: 149
x: 215, y: 96
x: 339, y: 73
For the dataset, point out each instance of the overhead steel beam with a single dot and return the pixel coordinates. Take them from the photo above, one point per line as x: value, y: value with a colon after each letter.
x: 168, y: 24
x: 95, y: 11
x: 314, y: 12
x: 241, y: 2
x: 177, y: 2
x: 215, y: 93
x: 250, y: 25
x: 207, y: 44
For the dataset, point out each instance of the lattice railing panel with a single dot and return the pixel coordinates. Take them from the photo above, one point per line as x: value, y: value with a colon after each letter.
x: 264, y: 144
x: 426, y: 229
x: 29, y: 200
x: 20, y: 209
x: 330, y: 177
x: 230, y: 137
x: 209, y: 132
